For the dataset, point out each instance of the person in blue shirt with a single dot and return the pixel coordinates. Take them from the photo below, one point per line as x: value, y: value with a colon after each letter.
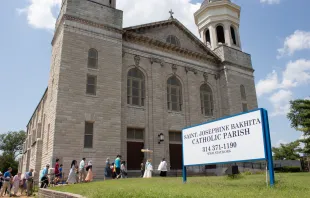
x: 118, y: 166
x: 43, y: 176
x: 7, y: 182
x: 29, y: 181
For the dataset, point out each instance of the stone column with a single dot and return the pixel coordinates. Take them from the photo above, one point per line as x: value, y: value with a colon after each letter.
x: 214, y: 43
x: 228, y: 39
x: 238, y: 38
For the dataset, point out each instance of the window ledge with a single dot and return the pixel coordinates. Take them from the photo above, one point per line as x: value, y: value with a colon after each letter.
x: 136, y: 107
x: 209, y: 117
x: 176, y: 112
x: 93, y: 69
x: 91, y: 96
x: 87, y: 150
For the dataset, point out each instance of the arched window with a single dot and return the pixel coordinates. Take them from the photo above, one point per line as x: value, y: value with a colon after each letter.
x: 206, y: 100
x: 173, y: 40
x: 233, y: 35
x: 174, y: 94
x: 93, y: 58
x: 208, y: 37
x: 242, y: 91
x: 135, y: 87
x: 220, y: 34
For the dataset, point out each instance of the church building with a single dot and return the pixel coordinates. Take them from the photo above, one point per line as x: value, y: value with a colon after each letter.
x: 116, y: 90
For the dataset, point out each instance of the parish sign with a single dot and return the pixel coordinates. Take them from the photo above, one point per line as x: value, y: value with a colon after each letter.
x: 238, y: 138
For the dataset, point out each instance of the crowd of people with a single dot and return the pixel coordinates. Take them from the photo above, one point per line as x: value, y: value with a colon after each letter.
x: 8, y: 183
x: 79, y: 173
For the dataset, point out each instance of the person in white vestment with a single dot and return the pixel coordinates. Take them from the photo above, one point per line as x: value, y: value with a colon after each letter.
x: 148, y: 169
x: 163, y: 168
x: 72, y: 173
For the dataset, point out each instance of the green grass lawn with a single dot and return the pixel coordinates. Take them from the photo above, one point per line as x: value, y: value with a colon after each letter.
x: 287, y: 185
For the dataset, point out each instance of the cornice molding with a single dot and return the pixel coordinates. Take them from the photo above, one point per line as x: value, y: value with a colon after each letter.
x: 84, y: 22
x: 167, y: 47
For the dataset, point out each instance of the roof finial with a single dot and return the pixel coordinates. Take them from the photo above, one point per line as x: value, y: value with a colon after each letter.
x: 171, y: 14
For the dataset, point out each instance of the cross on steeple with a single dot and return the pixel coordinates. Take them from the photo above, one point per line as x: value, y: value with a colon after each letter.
x: 171, y: 14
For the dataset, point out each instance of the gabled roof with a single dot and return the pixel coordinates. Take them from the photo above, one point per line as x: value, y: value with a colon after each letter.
x: 139, y: 28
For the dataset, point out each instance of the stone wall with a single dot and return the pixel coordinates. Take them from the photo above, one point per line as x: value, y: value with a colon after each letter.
x: 45, y: 193
x: 74, y: 106
x: 154, y: 117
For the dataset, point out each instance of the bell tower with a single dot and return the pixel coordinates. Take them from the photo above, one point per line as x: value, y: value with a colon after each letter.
x: 218, y: 23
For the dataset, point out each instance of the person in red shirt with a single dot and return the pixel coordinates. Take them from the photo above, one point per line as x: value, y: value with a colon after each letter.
x: 57, y: 171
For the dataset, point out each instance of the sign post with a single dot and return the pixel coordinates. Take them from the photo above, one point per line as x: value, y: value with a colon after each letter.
x: 238, y: 138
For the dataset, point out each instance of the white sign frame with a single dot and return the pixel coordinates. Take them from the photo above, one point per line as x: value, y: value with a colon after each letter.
x: 265, y: 140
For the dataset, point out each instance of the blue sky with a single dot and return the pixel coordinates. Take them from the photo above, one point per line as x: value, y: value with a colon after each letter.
x: 275, y: 32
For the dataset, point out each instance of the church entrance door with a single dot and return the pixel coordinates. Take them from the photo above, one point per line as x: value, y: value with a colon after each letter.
x: 175, y: 156
x: 134, y: 155
x: 175, y: 150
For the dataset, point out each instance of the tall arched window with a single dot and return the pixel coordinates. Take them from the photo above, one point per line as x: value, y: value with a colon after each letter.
x: 233, y: 35
x: 135, y: 87
x: 206, y: 100
x: 173, y: 40
x: 242, y: 91
x: 208, y: 37
x: 220, y: 34
x: 93, y: 58
x: 174, y: 94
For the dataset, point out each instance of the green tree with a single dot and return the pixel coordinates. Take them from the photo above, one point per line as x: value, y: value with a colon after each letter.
x: 299, y: 116
x: 11, y: 146
x: 288, y: 151
x: 12, y: 142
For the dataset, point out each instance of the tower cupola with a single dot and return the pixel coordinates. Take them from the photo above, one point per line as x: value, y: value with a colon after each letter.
x: 218, y: 23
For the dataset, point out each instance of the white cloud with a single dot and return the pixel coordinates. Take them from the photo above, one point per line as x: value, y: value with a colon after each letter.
x: 299, y: 40
x: 296, y: 73
x: 280, y: 102
x: 268, y: 85
x: 39, y: 12
x: 279, y: 142
x: 270, y: 1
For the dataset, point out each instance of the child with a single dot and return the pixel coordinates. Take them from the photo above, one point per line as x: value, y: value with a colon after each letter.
x: 123, y: 170
x: 60, y: 173
x: 113, y: 171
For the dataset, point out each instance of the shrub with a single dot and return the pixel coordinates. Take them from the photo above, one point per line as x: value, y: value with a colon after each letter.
x: 287, y: 169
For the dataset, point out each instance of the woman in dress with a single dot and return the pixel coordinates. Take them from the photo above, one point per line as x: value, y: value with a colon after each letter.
x: 23, y: 184
x: 148, y: 169
x: 72, y: 174
x: 89, y: 170
x: 107, y: 170
x: 16, y: 181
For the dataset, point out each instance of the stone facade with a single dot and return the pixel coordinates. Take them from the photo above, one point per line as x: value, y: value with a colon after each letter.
x: 57, y: 127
